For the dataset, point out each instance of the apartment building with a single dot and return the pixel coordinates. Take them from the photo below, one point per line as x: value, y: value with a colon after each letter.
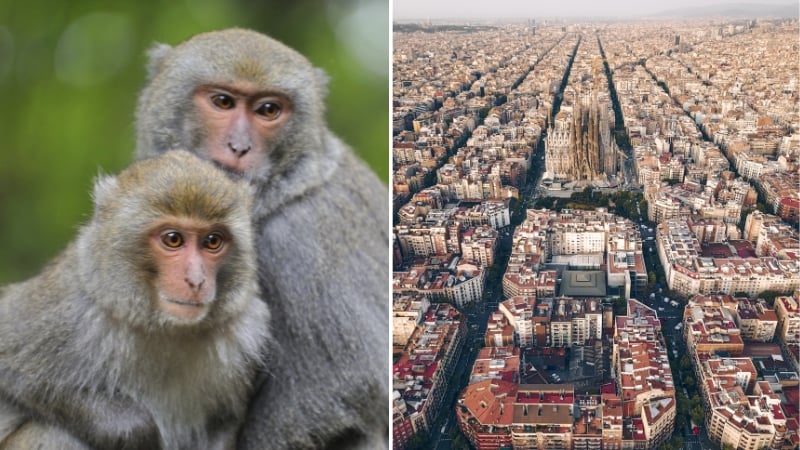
x: 689, y: 270
x: 644, y: 379
x: 421, y: 374
x: 787, y: 310
x: 709, y: 325
x: 756, y: 320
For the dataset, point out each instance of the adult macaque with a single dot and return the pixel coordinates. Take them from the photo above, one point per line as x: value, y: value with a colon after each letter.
x: 146, y: 332
x: 255, y: 107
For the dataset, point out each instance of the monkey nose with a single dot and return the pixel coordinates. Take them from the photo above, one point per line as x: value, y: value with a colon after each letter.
x: 195, y: 285
x: 239, y: 150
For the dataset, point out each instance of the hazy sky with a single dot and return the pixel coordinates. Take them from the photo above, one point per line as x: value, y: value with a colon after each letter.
x: 433, y: 9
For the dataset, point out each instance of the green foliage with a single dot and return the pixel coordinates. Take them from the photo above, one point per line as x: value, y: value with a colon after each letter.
x: 624, y: 202
x: 698, y: 414
x: 620, y: 306
x: 685, y: 363
x: 548, y: 203
x: 769, y: 296
x: 70, y: 73
x: 681, y: 419
x: 694, y: 402
x: 460, y: 443
x: 675, y: 443
x: 453, y: 432
x: 419, y: 441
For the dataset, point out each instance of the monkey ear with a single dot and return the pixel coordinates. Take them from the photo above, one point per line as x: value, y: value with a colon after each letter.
x: 322, y: 81
x: 105, y: 188
x: 156, y: 55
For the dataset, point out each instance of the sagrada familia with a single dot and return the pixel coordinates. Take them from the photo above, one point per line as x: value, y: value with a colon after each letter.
x: 579, y: 145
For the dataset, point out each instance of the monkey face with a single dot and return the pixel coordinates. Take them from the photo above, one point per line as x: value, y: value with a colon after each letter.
x: 170, y: 244
x: 240, y: 121
x: 186, y: 254
x: 239, y: 98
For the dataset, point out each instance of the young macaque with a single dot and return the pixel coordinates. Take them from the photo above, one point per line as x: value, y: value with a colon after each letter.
x: 147, y: 331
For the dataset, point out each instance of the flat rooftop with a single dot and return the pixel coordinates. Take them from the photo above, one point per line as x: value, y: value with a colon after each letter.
x: 583, y: 283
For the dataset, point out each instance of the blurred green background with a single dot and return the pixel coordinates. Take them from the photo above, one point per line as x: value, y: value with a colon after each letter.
x: 70, y: 73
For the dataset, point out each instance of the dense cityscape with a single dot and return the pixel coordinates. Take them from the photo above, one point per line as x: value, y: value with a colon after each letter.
x: 595, y: 235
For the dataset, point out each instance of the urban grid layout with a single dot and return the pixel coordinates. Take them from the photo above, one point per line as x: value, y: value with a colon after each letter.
x: 596, y: 234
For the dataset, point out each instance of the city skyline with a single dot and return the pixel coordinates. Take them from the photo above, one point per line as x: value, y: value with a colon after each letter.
x: 595, y: 238
x: 409, y: 10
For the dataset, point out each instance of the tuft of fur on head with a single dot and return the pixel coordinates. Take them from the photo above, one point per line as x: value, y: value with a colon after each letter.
x: 177, y: 184
x: 155, y: 56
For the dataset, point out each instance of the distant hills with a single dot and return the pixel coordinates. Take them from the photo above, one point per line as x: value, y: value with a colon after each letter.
x: 733, y: 10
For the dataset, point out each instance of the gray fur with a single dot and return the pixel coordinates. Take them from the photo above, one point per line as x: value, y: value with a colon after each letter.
x: 323, y: 240
x: 81, y: 348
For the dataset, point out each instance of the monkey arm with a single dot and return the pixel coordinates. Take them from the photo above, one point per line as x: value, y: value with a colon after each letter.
x: 324, y: 273
x: 41, y: 437
x: 108, y: 422
x: 35, y: 374
x: 11, y: 419
x: 103, y: 422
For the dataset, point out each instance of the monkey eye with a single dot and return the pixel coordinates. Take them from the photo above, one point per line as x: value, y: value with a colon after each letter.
x: 223, y: 101
x: 213, y: 242
x: 269, y: 110
x: 172, y: 239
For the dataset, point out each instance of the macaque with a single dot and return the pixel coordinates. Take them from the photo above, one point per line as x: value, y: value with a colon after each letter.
x: 256, y: 107
x: 148, y: 330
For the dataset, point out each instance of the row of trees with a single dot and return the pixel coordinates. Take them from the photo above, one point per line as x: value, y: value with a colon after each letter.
x: 622, y: 203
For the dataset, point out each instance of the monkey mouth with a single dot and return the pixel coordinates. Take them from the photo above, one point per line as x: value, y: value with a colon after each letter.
x: 231, y: 171
x: 184, y: 311
x: 194, y: 304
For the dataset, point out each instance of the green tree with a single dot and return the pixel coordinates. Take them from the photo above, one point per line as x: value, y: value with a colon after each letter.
x: 769, y: 296
x: 698, y: 414
x: 453, y: 432
x: 694, y: 402
x: 675, y: 442
x: 419, y: 441
x: 620, y: 306
x: 460, y: 443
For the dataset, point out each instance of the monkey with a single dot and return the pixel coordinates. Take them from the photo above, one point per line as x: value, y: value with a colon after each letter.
x: 254, y: 106
x: 147, y: 331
